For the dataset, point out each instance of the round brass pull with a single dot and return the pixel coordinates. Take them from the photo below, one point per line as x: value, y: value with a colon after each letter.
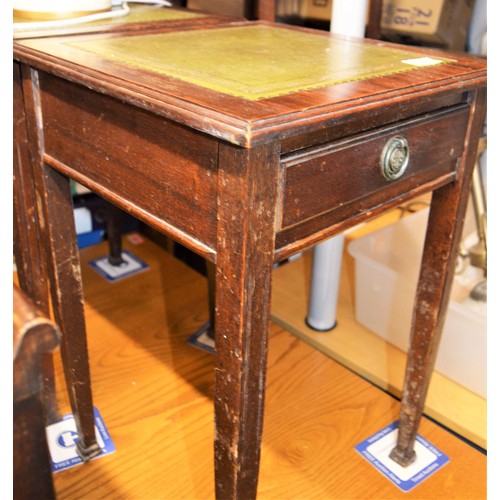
x: 395, y: 157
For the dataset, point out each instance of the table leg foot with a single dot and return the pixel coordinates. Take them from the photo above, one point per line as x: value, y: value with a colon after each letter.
x: 403, y: 457
x: 87, y: 453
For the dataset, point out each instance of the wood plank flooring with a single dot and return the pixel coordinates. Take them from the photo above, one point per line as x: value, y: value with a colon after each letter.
x: 155, y: 393
x: 366, y: 353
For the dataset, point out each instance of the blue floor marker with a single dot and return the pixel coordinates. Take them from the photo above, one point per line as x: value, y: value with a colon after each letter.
x: 62, y: 438
x: 130, y: 266
x: 376, y: 450
x: 201, y: 339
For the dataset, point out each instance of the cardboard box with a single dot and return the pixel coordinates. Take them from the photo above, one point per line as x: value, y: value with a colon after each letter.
x: 434, y: 23
x: 438, y: 23
x: 315, y: 9
x: 387, y: 263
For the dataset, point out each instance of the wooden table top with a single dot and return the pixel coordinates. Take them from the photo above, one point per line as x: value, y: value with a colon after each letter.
x: 138, y: 17
x: 138, y: 14
x: 243, y: 82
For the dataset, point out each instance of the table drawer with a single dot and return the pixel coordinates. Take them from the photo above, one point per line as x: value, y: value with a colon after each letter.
x: 396, y: 158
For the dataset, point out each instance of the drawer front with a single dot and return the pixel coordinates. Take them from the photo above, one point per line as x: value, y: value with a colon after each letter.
x: 396, y: 159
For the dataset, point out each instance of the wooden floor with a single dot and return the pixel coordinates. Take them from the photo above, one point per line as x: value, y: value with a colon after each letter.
x: 364, y: 352
x: 155, y: 393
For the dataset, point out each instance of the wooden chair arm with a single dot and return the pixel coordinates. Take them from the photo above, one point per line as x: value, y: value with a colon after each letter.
x: 33, y: 336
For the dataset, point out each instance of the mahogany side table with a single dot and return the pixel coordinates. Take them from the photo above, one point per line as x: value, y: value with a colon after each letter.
x: 248, y: 143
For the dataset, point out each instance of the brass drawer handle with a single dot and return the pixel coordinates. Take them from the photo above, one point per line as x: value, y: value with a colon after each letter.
x: 395, y: 157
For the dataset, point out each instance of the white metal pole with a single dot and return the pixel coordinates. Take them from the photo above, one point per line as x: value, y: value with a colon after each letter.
x: 348, y: 19
x: 325, y: 278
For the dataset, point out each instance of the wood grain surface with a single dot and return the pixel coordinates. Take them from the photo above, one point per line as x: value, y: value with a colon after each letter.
x: 364, y: 352
x: 152, y: 16
x: 34, y: 337
x: 248, y: 123
x: 248, y: 190
x: 155, y: 393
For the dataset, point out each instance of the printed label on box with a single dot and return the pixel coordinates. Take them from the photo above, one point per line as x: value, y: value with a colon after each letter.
x: 410, y: 15
x: 376, y: 450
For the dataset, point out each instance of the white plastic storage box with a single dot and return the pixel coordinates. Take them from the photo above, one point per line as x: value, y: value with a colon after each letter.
x: 387, y: 263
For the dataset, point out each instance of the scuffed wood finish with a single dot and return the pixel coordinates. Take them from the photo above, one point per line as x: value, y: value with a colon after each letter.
x: 247, y: 199
x: 30, y: 263
x: 34, y: 337
x: 433, y: 290
x: 26, y: 243
x: 68, y: 308
x: 29, y: 260
x: 348, y: 170
x: 86, y: 133
x: 205, y: 167
x: 57, y: 233
x: 365, y: 353
x: 354, y: 124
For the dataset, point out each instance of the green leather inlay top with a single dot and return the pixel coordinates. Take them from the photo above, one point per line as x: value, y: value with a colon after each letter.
x: 253, y: 61
x: 138, y: 14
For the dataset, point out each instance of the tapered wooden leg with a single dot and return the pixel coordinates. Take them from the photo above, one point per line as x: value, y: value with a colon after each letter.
x: 57, y: 234
x: 114, y: 233
x: 247, y: 186
x: 31, y: 270
x: 67, y: 303
x: 442, y: 241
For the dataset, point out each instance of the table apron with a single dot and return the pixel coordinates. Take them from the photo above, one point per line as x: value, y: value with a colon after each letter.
x: 155, y: 169
x: 166, y: 174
